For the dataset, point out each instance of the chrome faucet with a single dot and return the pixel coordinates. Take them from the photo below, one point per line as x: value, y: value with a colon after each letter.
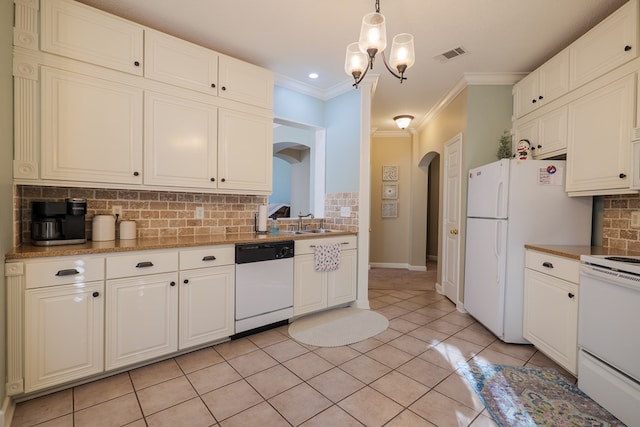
x: 300, y: 216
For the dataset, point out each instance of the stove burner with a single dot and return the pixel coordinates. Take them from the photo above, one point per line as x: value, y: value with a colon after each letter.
x: 623, y: 259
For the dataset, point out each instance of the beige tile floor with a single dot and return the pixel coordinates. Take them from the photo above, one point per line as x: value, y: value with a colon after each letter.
x: 406, y: 376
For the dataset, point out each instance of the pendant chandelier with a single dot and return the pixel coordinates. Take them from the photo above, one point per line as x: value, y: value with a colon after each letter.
x: 373, y: 40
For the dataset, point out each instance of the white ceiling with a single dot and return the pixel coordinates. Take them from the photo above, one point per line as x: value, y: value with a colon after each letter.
x: 296, y: 37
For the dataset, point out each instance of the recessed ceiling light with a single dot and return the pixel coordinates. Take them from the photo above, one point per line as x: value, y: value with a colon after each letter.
x: 313, y: 75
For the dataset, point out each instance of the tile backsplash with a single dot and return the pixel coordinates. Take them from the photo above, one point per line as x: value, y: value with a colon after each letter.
x: 169, y: 214
x: 616, y: 223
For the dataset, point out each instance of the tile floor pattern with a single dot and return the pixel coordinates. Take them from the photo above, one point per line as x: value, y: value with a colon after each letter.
x: 406, y: 376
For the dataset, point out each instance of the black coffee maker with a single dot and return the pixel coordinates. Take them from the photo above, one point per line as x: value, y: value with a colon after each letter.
x: 58, y: 223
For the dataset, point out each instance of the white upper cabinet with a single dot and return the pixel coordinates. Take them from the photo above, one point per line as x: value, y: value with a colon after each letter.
x: 244, y: 82
x: 180, y: 142
x: 71, y: 29
x: 91, y: 129
x: 245, y: 151
x: 607, y: 46
x: 542, y: 86
x: 180, y: 63
x: 599, y: 144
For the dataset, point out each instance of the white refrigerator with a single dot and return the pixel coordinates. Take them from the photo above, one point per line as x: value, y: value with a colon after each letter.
x: 510, y: 203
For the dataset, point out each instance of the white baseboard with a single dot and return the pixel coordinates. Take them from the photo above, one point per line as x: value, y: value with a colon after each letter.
x: 398, y: 265
x: 8, y: 409
x: 439, y: 288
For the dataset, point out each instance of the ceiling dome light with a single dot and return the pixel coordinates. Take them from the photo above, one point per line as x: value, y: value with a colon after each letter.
x: 313, y: 75
x: 373, y: 40
x: 403, y: 120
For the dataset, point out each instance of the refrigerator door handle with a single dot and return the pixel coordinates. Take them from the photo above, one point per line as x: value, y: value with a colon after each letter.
x: 499, y: 197
x: 497, y: 247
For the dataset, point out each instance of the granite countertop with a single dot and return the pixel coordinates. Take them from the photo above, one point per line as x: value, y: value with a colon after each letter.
x: 574, y: 252
x: 30, y: 251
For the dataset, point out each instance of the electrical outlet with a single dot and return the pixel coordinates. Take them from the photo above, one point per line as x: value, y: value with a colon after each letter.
x: 200, y: 212
x: 635, y: 219
x: 117, y: 210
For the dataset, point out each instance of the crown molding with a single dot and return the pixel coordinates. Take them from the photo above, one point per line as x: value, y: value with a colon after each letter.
x: 470, y: 79
x: 323, y: 94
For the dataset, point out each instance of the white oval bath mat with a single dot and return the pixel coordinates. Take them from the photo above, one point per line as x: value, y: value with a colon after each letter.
x: 341, y: 326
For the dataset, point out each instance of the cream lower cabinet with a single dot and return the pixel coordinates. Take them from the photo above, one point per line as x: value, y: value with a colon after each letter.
x: 142, y: 307
x: 207, y: 295
x: 64, y: 336
x: 551, y: 307
x: 599, y: 134
x: 314, y: 290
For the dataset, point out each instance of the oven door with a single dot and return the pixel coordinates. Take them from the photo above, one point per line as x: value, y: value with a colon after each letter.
x: 609, y: 317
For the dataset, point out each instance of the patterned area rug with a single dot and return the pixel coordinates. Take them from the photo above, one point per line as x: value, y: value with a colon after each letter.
x: 337, y: 327
x: 517, y: 396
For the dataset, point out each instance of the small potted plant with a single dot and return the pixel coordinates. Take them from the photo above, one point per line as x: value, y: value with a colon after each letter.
x: 504, y: 147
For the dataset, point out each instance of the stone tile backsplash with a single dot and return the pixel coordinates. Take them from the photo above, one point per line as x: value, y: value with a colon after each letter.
x: 168, y: 214
x: 616, y: 223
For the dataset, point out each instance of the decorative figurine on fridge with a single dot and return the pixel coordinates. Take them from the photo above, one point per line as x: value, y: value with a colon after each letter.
x: 523, y: 149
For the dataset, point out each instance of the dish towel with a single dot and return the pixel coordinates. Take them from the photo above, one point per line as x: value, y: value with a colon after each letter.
x: 326, y: 257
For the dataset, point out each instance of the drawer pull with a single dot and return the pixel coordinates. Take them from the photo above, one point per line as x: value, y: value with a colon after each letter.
x: 96, y: 294
x: 547, y: 264
x: 209, y: 258
x: 570, y: 295
x: 67, y: 272
x: 144, y: 264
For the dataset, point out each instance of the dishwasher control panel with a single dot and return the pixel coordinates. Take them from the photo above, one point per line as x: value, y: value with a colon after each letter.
x: 268, y: 251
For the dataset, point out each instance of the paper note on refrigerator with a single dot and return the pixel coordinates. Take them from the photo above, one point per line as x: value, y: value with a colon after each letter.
x: 551, y: 175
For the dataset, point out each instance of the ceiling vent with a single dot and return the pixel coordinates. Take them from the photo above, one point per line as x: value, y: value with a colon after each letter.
x: 450, y: 54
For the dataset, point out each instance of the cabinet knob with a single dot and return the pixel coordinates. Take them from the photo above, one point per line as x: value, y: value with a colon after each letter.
x: 533, y: 148
x: 533, y: 101
x: 96, y: 294
x: 172, y: 284
x: 570, y: 295
x: 223, y: 180
x: 627, y: 48
x: 547, y: 264
x: 622, y: 176
x: 213, y: 179
x: 540, y: 97
x: 539, y: 146
x: 136, y: 173
x: 213, y: 85
x: 185, y: 281
x: 224, y: 88
x: 136, y: 63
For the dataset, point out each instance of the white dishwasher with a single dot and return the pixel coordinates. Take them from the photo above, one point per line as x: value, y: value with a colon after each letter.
x: 264, y: 284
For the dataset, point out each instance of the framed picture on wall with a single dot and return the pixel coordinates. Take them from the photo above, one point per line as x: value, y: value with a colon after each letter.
x: 389, y: 173
x: 390, y: 191
x: 389, y: 210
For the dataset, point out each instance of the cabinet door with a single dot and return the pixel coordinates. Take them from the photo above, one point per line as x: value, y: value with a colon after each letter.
x: 141, y: 319
x: 91, y: 129
x: 553, y: 77
x: 551, y: 317
x: 71, y: 29
x: 309, y: 286
x: 553, y: 133
x: 608, y: 45
x: 179, y: 142
x: 244, y: 82
x: 180, y: 63
x: 341, y: 283
x: 245, y: 151
x: 206, y: 305
x: 64, y: 334
x: 599, y: 138
x: 526, y: 93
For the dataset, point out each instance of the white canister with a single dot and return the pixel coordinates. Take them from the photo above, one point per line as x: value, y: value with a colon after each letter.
x: 127, y: 230
x: 104, y: 228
